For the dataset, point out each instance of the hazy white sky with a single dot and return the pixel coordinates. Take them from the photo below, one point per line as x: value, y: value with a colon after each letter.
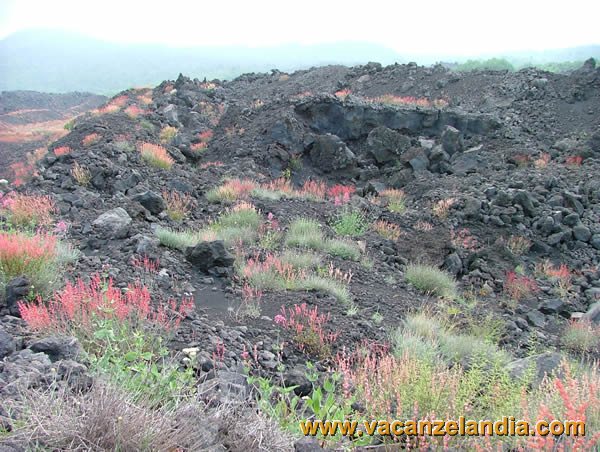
x: 458, y: 27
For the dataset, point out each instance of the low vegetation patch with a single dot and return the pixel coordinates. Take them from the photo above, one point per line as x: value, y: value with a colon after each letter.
x: 156, y: 156
x: 307, y: 233
x: 393, y: 199
x: 240, y: 224
x: 308, y: 327
x: 167, y: 134
x: 27, y: 211
x: 582, y: 336
x: 123, y: 333
x: 81, y: 174
x: 177, y: 239
x: 431, y: 280
x: 243, y: 189
x: 351, y: 223
x: 390, y: 231
x: 104, y: 418
x: 178, y: 204
x: 518, y: 287
x: 34, y: 256
x: 90, y: 139
x: 231, y: 191
x: 276, y: 273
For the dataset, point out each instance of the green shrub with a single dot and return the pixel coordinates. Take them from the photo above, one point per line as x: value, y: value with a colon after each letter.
x: 431, y: 280
x: 492, y: 64
x: 351, y: 223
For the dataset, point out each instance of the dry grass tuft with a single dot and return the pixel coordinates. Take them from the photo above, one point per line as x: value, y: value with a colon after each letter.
x: 103, y: 419
x: 108, y: 419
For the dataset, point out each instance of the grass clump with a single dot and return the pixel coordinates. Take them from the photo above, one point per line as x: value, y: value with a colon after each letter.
x: 179, y: 240
x: 431, y: 280
x: 104, y: 418
x: 243, y: 215
x: 424, y: 326
x: 394, y: 200
x: 291, y: 272
x: 267, y: 195
x: 301, y: 260
x: 178, y: 204
x: 81, y: 174
x: 330, y: 286
x: 305, y: 233
x: 456, y: 348
x: 343, y: 249
x: 156, y: 156
x: 124, y: 146
x: 231, y: 191
x: 350, y: 223
x: 438, y: 340
x: 239, y: 224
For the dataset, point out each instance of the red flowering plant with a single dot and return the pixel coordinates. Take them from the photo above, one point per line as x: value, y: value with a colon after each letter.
x: 34, y: 256
x: 308, y: 327
x: 313, y: 190
x: 27, y: 211
x: 341, y: 194
x: 518, y: 287
x: 104, y: 317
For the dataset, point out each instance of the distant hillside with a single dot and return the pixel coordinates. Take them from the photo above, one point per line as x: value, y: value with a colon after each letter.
x: 30, y: 120
x: 53, y: 61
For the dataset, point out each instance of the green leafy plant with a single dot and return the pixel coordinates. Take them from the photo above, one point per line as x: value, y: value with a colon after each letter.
x: 351, y: 223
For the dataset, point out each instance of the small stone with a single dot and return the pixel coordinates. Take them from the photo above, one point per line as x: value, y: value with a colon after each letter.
x: 210, y: 257
x: 58, y: 347
x: 151, y: 201
x: 593, y: 313
x: 553, y: 306
x: 7, y: 344
x: 535, y: 318
x: 582, y: 233
x: 571, y: 219
x: 451, y: 140
x: 114, y: 223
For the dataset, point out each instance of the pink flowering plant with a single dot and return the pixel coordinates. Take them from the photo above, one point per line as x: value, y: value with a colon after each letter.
x: 308, y: 327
